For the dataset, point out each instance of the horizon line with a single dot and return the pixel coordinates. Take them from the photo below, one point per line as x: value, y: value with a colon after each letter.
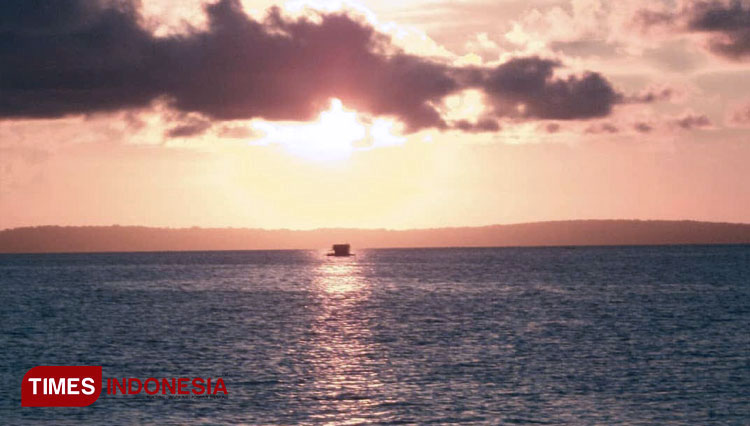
x: 553, y: 246
x: 371, y: 229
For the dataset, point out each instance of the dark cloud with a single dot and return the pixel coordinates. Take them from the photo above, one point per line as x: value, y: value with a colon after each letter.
x: 643, y: 127
x: 481, y: 125
x: 602, y: 128
x: 526, y: 87
x: 282, y: 69
x: 80, y: 57
x: 692, y: 121
x: 651, y: 94
x: 72, y: 56
x: 727, y: 23
x: 191, y: 128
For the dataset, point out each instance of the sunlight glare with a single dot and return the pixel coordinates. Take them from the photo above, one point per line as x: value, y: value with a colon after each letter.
x: 336, y: 133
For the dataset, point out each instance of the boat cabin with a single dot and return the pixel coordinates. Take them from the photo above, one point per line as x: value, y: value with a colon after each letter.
x: 340, y: 250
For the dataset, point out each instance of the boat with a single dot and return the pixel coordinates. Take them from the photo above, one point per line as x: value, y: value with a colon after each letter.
x: 340, y: 250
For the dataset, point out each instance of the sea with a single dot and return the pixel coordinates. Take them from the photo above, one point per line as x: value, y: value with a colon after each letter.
x: 563, y: 335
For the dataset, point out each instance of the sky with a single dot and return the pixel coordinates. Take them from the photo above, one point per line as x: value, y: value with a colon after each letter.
x: 387, y: 114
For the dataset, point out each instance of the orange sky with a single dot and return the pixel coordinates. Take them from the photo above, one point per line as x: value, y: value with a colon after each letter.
x: 681, y: 154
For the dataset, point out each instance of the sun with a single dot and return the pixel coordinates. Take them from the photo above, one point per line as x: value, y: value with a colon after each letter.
x: 335, y: 135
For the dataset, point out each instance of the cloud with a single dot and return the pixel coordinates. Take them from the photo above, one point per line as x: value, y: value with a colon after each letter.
x: 691, y: 121
x: 237, y: 132
x: 725, y: 23
x: 728, y: 24
x: 642, y: 127
x: 652, y: 94
x: 73, y: 56
x: 647, y: 18
x: 526, y: 87
x: 653, y: 124
x: 82, y: 57
x: 191, y: 128
x: 587, y: 48
x: 602, y: 128
x: 481, y: 125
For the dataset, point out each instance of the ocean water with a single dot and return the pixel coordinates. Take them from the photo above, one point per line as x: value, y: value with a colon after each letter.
x: 609, y: 335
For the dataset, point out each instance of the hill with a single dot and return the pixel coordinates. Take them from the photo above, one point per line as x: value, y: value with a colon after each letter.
x: 559, y: 233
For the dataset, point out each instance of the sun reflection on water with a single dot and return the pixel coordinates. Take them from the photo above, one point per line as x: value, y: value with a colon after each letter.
x: 346, y: 382
x: 339, y: 276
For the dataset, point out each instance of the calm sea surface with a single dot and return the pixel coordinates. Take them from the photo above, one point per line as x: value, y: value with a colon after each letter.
x: 650, y: 335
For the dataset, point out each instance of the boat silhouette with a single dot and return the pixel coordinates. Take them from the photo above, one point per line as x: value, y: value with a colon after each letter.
x: 340, y: 250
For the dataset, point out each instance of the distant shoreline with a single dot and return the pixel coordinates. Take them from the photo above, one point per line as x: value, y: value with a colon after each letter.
x: 376, y: 248
x: 578, y: 233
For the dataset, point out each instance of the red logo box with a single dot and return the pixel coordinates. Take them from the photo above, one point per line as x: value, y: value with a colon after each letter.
x: 61, y: 386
